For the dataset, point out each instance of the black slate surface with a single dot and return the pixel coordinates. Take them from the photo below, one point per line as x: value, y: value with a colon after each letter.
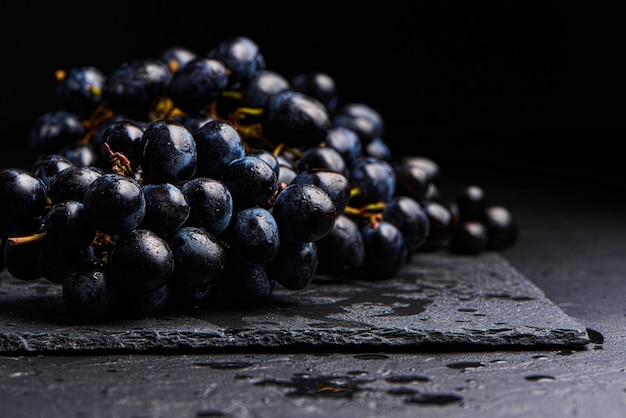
x: 437, y: 301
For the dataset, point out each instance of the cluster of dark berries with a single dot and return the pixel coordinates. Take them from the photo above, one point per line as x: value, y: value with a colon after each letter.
x: 194, y: 180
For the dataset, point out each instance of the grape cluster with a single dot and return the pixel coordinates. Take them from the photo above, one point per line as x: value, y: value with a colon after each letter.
x: 207, y: 179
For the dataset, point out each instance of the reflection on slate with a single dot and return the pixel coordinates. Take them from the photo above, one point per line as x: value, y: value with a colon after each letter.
x: 438, y: 300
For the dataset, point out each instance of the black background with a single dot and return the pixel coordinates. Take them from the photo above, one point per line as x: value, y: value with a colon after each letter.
x: 497, y: 87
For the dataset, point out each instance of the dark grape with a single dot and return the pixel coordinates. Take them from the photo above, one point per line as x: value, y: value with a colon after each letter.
x: 341, y: 250
x: 295, y: 119
x: 66, y: 225
x: 261, y: 86
x: 323, y: 157
x: 167, y: 208
x: 471, y: 202
x: 199, y: 262
x: 294, y: 266
x: 319, y: 85
x: 363, y: 119
x: 218, y: 143
x: 253, y: 235
x: 197, y: 84
x: 114, y: 204
x: 250, y: 180
x: 46, y: 167
x: 241, y: 55
x: 72, y: 182
x: 141, y: 261
x: 410, y: 217
x: 442, y: 221
x: 167, y: 153
x: 136, y: 86
x: 470, y: 237
x: 335, y: 184
x: 502, y: 227
x: 89, y: 292
x: 82, y: 153
x: 23, y: 197
x: 80, y: 89
x: 374, y: 179
x: 385, y: 251
x: 52, y: 130
x: 241, y: 285
x: 210, y: 204
x: 176, y: 56
x: 122, y: 136
x: 346, y: 142
x: 199, y: 258
x: 304, y: 212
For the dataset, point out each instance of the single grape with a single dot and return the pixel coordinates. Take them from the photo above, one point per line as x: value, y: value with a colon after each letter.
x: 250, y: 180
x: 261, y: 86
x: 23, y: 198
x: 122, y: 136
x: 141, y: 261
x: 319, y: 85
x: 502, y: 227
x: 323, y: 157
x: 470, y: 237
x: 199, y: 258
x: 294, y: 266
x: 54, y: 129
x: 72, y: 182
x: 471, y: 202
x: 89, y: 292
x: 442, y: 221
x: 198, y: 84
x: 253, y: 235
x: 167, y: 153
x: 46, y: 167
x: 136, y: 86
x: 82, y: 153
x: 295, y: 119
x: 385, y: 251
x: 346, y: 142
x: 241, y: 285
x: 80, y: 89
x: 374, y: 179
x: 341, y: 250
x: 304, y: 213
x: 410, y: 217
x: 218, y: 143
x: 114, y: 204
x: 241, y: 55
x: 177, y: 56
x: 210, y: 204
x: 363, y: 119
x: 167, y: 208
x: 335, y: 184
x: 66, y: 225
x: 378, y: 148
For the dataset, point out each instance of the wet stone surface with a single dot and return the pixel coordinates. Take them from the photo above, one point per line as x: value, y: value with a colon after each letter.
x: 437, y: 301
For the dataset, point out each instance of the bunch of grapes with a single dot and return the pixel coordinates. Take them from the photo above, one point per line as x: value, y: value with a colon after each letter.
x: 195, y: 180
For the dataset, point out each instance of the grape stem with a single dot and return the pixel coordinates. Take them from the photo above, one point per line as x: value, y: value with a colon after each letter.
x: 26, y: 239
x: 119, y: 162
x: 371, y: 211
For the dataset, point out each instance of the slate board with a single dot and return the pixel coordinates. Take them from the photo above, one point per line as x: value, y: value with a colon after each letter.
x: 437, y: 301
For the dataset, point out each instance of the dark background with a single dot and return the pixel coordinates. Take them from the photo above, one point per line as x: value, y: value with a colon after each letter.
x: 494, y: 87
